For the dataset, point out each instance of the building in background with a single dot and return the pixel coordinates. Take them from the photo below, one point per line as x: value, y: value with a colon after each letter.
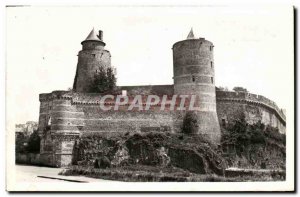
x: 27, y: 129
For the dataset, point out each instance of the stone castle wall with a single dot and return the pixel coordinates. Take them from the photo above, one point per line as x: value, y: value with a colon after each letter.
x: 72, y: 112
x: 231, y: 105
x: 82, y: 112
x: 64, y: 116
x: 149, y: 89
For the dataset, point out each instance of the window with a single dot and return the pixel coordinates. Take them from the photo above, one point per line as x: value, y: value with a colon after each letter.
x: 49, y: 121
x: 193, y: 78
x: 210, y: 48
x: 223, y: 122
x: 211, y: 64
x: 212, y: 80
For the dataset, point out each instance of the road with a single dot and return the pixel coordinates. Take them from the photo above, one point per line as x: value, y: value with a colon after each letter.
x: 26, y: 173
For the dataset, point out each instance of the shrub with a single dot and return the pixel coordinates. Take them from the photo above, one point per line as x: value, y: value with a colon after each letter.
x: 190, y: 123
x: 252, y: 142
x: 102, y: 162
x: 34, y: 143
x: 240, y: 89
x: 21, y: 142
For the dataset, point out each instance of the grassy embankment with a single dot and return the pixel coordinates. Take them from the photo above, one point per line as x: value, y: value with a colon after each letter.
x: 141, y: 173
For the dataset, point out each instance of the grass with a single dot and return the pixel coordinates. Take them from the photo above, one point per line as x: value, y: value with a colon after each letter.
x: 142, y: 173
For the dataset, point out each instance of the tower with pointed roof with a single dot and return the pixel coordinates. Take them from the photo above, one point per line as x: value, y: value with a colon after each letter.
x: 191, y: 35
x: 193, y: 67
x: 92, y: 56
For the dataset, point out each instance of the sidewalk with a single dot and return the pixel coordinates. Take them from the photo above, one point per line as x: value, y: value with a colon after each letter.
x: 27, y: 173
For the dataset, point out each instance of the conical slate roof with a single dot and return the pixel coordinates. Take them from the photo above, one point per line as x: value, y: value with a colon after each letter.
x: 92, y: 36
x: 191, y: 35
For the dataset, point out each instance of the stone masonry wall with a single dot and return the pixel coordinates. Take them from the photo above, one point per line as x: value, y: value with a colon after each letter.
x: 193, y: 66
x: 90, y: 59
x: 70, y: 113
x: 231, y: 105
x: 64, y: 116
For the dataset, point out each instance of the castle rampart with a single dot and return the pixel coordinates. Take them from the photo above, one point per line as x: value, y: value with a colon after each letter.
x: 64, y: 114
x: 231, y: 105
x: 252, y: 99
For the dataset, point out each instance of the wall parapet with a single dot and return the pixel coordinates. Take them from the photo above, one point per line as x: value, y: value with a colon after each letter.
x: 60, y: 94
x: 78, y: 98
x: 251, y: 99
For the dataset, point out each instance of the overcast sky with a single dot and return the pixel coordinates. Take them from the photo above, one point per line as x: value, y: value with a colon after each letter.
x: 253, y: 48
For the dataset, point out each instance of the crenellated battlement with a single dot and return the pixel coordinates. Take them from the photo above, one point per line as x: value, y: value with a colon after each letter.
x: 252, y: 99
x: 59, y: 94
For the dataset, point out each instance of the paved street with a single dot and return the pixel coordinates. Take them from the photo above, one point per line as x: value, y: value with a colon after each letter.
x: 45, y: 174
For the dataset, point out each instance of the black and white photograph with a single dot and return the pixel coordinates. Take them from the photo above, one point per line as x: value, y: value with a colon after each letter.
x: 150, y: 98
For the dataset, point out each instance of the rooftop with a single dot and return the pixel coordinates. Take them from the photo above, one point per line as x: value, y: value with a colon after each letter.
x: 92, y: 36
x: 191, y: 35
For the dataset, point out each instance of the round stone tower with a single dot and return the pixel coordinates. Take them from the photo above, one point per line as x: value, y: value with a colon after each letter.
x: 90, y: 59
x: 193, y: 67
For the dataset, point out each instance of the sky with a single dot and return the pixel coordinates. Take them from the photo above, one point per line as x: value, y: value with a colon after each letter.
x: 253, y: 48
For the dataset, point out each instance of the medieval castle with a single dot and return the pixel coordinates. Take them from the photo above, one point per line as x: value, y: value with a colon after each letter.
x: 65, y: 115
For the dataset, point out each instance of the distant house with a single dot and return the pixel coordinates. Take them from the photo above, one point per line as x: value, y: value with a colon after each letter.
x: 27, y: 128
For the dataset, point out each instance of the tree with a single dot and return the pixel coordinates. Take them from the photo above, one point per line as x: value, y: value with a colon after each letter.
x: 240, y: 89
x: 104, y: 80
x: 34, y: 143
x: 21, y: 142
x: 111, y: 79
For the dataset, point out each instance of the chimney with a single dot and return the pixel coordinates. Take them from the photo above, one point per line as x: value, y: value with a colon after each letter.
x: 100, y: 36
